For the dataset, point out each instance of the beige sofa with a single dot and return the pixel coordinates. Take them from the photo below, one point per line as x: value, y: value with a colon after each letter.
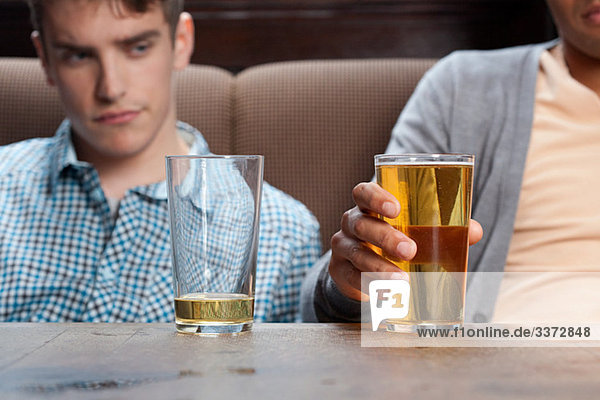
x: 318, y: 123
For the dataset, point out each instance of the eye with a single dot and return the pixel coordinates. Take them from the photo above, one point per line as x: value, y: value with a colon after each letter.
x: 75, y: 56
x: 140, y: 49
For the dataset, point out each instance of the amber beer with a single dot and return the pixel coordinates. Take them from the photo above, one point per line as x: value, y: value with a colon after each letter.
x: 434, y: 191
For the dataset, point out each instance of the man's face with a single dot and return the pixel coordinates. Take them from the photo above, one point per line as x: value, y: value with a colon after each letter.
x: 578, y: 22
x: 113, y: 72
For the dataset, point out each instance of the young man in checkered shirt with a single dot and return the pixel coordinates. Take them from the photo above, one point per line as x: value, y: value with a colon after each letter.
x: 84, y: 214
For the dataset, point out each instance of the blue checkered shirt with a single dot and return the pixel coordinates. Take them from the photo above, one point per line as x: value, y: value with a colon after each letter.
x: 64, y: 257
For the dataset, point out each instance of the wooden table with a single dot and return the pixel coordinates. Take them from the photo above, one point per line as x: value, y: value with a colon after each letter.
x: 274, y: 361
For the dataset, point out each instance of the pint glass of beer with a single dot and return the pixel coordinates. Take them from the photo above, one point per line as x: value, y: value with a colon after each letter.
x: 434, y: 191
x: 214, y: 204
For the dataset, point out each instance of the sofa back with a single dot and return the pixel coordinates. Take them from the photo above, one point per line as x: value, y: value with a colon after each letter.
x: 318, y: 123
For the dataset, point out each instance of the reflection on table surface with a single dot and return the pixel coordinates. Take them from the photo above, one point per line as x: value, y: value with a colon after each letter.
x: 146, y: 361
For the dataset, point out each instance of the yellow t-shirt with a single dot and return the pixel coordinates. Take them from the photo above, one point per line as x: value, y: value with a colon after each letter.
x: 557, y: 226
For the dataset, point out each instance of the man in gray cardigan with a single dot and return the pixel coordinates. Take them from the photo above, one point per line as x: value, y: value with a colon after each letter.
x: 479, y: 102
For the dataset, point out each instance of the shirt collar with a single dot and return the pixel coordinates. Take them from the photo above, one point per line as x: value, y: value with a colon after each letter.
x: 64, y: 156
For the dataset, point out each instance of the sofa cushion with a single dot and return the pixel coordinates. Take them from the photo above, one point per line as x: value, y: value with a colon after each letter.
x: 319, y: 123
x: 204, y: 96
x: 29, y: 107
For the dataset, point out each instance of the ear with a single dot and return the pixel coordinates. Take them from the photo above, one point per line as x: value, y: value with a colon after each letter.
x: 184, y: 41
x: 39, y: 49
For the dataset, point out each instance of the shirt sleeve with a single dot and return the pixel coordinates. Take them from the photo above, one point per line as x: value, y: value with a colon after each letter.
x: 304, y: 253
x: 289, y: 245
x: 321, y: 299
x: 305, y: 256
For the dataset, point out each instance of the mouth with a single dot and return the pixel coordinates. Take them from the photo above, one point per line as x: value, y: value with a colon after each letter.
x: 116, y: 117
x: 592, y: 15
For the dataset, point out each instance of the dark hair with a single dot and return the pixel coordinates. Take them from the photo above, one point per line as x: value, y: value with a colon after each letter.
x: 171, y: 10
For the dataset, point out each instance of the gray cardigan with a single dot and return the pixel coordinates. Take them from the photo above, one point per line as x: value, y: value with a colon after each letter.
x: 478, y: 102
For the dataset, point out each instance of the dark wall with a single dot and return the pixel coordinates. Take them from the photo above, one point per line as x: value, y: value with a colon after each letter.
x: 238, y: 33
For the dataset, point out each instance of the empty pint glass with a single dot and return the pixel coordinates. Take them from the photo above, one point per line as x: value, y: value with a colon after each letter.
x: 214, y: 208
x: 434, y: 192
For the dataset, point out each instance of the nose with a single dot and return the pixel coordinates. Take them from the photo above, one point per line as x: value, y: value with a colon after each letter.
x: 110, y: 84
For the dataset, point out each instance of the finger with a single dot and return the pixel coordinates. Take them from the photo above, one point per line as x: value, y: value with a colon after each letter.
x: 360, y: 256
x: 349, y: 280
x: 365, y: 228
x: 475, y: 232
x: 372, y: 198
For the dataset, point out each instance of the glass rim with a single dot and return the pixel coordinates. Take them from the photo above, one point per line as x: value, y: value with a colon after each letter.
x: 424, y: 158
x: 216, y: 157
